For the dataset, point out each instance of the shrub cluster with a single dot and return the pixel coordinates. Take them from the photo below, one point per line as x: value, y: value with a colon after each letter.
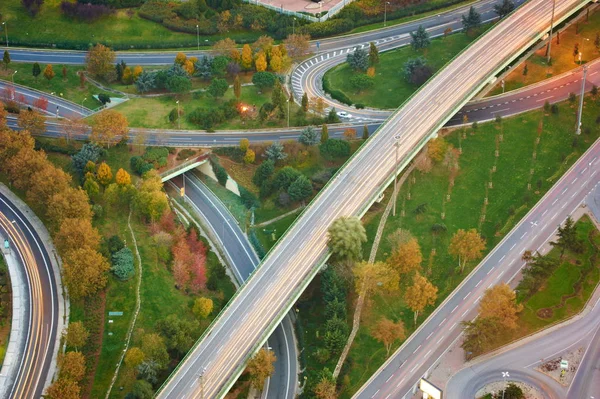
x: 153, y: 157
x: 86, y: 12
x: 208, y: 118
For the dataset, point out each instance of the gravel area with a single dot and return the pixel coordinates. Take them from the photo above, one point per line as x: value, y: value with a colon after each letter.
x: 529, y: 391
x: 552, y: 367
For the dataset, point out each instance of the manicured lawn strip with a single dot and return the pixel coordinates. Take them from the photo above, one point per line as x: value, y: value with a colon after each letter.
x: 508, y: 195
x: 69, y: 87
x: 390, y: 88
x: 562, y: 56
x: 51, y: 28
x: 572, y: 282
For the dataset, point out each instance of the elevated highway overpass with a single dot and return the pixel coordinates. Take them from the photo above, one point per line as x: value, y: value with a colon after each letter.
x: 216, y: 361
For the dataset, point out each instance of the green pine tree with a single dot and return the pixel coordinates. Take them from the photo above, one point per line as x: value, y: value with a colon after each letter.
x: 365, y: 132
x: 36, y: 70
x: 324, y: 133
x: 6, y: 59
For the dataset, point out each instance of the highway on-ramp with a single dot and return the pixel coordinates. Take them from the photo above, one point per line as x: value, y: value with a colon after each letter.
x: 241, y: 256
x: 264, y: 300
x: 43, y: 308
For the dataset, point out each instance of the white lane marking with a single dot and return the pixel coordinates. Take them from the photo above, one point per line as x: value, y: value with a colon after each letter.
x: 546, y: 211
x: 478, y: 283
x: 502, y: 258
x: 564, y: 191
x: 442, y: 322
x: 478, y: 298
x: 456, y: 307
x: 555, y: 201
x: 389, y: 378
x: 418, y: 347
x: 453, y: 325
x: 466, y: 296
x: 413, y: 369
x: 427, y: 354
x: 493, y: 267
x: 439, y: 340
x: 574, y: 180
x: 514, y: 245
x: 524, y: 234
x: 400, y: 383
x: 375, y: 394
x: 429, y: 336
x: 543, y: 99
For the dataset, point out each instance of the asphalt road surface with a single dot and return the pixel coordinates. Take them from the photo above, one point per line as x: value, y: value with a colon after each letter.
x: 43, y: 302
x: 57, y: 106
x: 73, y: 57
x: 307, y: 76
x: 520, y: 361
x: 420, y: 352
x: 269, y: 293
x: 283, y: 383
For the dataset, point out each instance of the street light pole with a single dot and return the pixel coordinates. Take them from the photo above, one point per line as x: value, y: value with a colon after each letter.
x: 395, y: 179
x: 12, y: 93
x: 82, y: 106
x: 198, y: 36
x: 5, y: 32
x: 581, y: 52
x: 585, y: 69
x: 178, y: 116
x: 504, y: 375
x: 549, y: 49
x: 294, y: 26
x: 201, y: 376
x: 385, y: 13
x: 502, y: 86
x: 288, y: 113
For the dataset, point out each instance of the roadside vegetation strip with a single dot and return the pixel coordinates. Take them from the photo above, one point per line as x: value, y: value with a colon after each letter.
x: 5, y: 308
x: 137, y: 306
x: 463, y: 209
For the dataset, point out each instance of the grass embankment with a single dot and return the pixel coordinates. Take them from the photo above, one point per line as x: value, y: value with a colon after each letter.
x: 50, y: 28
x: 562, y: 56
x: 5, y: 308
x: 509, y: 201
x: 69, y: 87
x: 568, y: 288
x: 390, y: 88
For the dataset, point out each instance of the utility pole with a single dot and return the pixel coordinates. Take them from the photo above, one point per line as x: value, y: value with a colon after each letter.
x: 201, y: 377
x: 198, y: 36
x: 504, y: 375
x: 288, y: 113
x: 585, y: 69
x: 549, y: 48
x: 395, y: 179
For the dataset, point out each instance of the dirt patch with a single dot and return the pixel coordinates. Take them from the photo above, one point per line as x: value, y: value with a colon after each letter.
x: 552, y: 367
x: 545, y: 313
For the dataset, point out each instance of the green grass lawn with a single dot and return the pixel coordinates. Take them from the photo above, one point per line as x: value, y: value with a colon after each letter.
x: 562, y: 56
x: 69, y: 87
x: 50, y: 28
x: 569, y: 286
x: 509, y: 200
x: 390, y: 88
x: 268, y: 235
x: 152, y: 112
x: 5, y: 316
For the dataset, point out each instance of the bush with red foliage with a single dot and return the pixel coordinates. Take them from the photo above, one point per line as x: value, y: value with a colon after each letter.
x: 85, y: 12
x: 41, y: 103
x: 189, y: 262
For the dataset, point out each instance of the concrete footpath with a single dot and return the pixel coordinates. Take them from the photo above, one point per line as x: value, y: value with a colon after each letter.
x: 63, y: 301
x: 19, y: 323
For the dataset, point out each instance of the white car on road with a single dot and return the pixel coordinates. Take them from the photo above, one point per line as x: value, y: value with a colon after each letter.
x: 343, y: 114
